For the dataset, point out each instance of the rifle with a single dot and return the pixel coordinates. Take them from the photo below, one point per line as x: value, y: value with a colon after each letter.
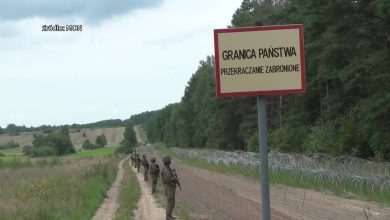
x: 178, y: 182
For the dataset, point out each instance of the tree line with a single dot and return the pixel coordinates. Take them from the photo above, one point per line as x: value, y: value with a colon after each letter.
x: 13, y: 129
x: 346, y: 107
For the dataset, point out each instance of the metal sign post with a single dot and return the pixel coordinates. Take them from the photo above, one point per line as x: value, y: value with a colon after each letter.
x: 262, y: 60
x: 263, y: 147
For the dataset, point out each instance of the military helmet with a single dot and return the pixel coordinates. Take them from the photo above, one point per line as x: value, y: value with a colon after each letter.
x: 166, y: 159
x: 153, y: 159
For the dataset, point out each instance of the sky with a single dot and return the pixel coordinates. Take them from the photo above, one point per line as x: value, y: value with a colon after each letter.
x: 131, y: 56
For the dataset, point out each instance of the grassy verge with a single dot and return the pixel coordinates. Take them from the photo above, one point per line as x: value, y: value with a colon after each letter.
x: 12, y: 152
x: 15, y: 162
x: 289, y: 179
x: 99, y: 152
x: 11, y: 160
x: 68, y: 191
x: 130, y: 193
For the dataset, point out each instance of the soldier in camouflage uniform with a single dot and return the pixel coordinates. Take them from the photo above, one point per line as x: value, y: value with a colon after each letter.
x: 145, y: 164
x: 132, y: 158
x: 169, y: 180
x: 154, y: 173
x: 137, y: 161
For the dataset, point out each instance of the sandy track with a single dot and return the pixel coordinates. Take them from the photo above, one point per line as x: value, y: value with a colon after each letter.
x: 147, y: 208
x: 211, y: 195
x: 108, y: 208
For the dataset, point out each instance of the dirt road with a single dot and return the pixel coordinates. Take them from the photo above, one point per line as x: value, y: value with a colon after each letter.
x: 108, y: 208
x: 215, y: 196
x: 147, y: 208
x: 211, y: 195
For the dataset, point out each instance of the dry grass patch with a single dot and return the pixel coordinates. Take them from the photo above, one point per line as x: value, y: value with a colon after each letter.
x: 70, y: 190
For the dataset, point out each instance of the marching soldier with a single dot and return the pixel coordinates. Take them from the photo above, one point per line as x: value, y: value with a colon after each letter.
x: 132, y: 158
x: 170, y: 180
x: 154, y: 173
x: 137, y: 162
x: 145, y: 164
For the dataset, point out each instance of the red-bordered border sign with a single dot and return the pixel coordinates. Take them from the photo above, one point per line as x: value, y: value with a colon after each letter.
x: 236, y: 45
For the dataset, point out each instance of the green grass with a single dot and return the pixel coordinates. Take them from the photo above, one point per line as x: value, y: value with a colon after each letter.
x: 99, y: 152
x: 289, y: 179
x: 71, y: 191
x: 130, y: 193
x: 12, y: 152
x: 23, y: 161
x: 14, y: 162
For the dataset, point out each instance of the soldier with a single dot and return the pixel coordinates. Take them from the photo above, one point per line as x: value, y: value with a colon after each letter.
x: 137, y: 162
x: 145, y: 163
x: 169, y: 179
x: 154, y: 173
x: 132, y: 158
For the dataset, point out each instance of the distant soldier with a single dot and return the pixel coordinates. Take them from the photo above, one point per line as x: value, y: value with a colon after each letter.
x: 170, y: 180
x: 145, y: 164
x: 154, y: 173
x: 137, y: 162
x: 132, y: 158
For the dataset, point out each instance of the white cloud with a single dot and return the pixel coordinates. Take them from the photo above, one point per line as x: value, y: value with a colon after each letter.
x: 92, y: 10
x: 125, y: 65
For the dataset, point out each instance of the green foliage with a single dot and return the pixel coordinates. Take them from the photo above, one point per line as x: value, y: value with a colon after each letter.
x: 40, y: 151
x: 10, y: 144
x: 346, y: 109
x: 13, y: 129
x: 55, y: 143
x: 98, y: 152
x: 101, y: 140
x: 130, y: 140
x: 129, y: 195
x: 87, y: 145
x: 322, y: 139
x: 15, y: 163
x: 123, y: 150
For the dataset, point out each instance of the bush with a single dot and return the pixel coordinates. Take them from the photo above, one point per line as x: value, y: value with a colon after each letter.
x: 101, y: 140
x: 27, y: 149
x: 10, y: 144
x: 87, y: 145
x: 56, y: 143
x: 322, y: 139
x: 124, y: 150
x: 42, y: 151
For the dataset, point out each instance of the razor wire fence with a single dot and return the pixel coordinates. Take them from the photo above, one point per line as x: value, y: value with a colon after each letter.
x: 345, y: 173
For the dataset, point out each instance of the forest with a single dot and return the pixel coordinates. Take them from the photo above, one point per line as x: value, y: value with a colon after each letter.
x: 346, y: 107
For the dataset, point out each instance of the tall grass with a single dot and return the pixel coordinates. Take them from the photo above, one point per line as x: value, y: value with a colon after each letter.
x: 67, y: 191
x: 99, y: 152
x: 14, y: 163
x: 130, y: 193
x: 12, y: 151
